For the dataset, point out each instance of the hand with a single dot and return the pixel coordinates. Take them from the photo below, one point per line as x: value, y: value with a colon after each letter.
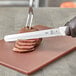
x: 71, y: 27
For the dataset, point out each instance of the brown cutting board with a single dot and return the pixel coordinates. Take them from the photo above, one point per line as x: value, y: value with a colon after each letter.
x: 50, y: 49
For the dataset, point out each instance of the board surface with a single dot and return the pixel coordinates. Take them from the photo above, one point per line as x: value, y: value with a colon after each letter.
x: 49, y: 50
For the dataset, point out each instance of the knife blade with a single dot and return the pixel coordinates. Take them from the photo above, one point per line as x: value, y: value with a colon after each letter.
x: 60, y: 31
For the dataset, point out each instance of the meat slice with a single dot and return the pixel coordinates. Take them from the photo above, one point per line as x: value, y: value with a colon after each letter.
x: 22, y: 50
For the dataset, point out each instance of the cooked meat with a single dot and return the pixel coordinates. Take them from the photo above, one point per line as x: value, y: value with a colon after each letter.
x: 26, y: 45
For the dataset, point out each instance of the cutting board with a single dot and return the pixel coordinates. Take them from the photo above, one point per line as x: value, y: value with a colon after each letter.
x: 49, y: 50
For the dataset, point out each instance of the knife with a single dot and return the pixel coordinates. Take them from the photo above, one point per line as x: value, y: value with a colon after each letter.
x: 60, y: 31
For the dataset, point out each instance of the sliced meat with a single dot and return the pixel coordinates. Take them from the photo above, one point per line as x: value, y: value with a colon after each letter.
x: 22, y: 50
x: 22, y: 43
x: 26, y: 41
x: 26, y: 45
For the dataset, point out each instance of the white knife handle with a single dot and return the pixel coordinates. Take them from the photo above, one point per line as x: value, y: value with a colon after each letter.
x: 62, y: 30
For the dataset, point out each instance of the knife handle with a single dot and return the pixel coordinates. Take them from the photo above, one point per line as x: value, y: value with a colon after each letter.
x: 62, y: 30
